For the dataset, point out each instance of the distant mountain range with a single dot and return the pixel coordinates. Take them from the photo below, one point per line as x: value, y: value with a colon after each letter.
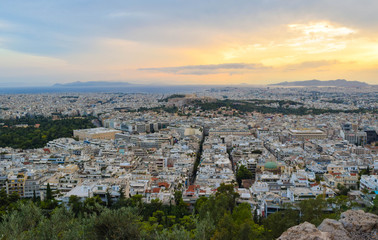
x: 93, y: 84
x: 308, y: 83
x: 318, y: 83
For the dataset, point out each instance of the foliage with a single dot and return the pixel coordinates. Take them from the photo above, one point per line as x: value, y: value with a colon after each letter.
x: 122, y: 223
x: 312, y: 210
x: 33, y: 137
x: 243, y: 173
x: 257, y: 151
x: 263, y: 106
x: 215, y: 217
x: 342, y: 189
x: 171, y: 97
x: 374, y: 208
x: 279, y: 222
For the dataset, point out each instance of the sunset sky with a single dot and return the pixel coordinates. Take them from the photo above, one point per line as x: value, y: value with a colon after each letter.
x: 43, y: 42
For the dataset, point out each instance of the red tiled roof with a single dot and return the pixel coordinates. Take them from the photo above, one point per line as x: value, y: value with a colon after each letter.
x: 335, y: 173
x: 192, y: 188
x: 164, y: 184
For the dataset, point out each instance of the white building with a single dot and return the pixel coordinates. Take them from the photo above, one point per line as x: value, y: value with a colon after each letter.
x: 369, y: 182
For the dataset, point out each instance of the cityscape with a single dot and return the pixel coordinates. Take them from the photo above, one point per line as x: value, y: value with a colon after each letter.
x: 188, y: 120
x: 274, y: 145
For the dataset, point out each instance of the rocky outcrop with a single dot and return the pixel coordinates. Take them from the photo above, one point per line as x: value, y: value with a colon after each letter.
x: 335, y: 228
x: 304, y: 231
x: 353, y: 225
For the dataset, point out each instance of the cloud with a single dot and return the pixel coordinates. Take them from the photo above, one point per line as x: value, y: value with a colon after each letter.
x: 311, y: 64
x: 230, y: 68
x: 319, y: 37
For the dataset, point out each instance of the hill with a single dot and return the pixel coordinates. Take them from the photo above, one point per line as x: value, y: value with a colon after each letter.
x: 318, y: 83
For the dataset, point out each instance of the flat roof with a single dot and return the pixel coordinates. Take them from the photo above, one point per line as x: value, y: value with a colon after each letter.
x: 98, y: 130
x: 304, y: 131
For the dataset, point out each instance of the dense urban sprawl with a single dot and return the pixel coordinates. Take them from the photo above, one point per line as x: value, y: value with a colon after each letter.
x: 270, y: 150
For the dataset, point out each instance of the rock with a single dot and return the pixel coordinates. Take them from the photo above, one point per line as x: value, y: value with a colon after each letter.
x: 304, y: 231
x: 359, y: 221
x: 353, y: 225
x: 361, y: 225
x: 335, y: 228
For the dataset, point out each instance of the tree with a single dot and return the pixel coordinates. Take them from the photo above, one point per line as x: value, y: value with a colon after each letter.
x: 257, y: 151
x: 177, y: 233
x: 318, y: 178
x: 93, y: 205
x: 226, y: 228
x: 13, y: 197
x: 3, y: 198
x: 256, y: 217
x: 109, y: 202
x: 312, y: 210
x: 374, y: 208
x: 121, y: 193
x: 228, y: 192
x: 342, y: 189
x: 205, y: 228
x: 121, y: 223
x: 198, y: 204
x: 180, y: 208
x: 75, y: 204
x: 4, y: 201
x: 178, y: 197
x: 49, y: 195
x: 16, y: 223
x: 243, y: 173
x: 34, y: 199
x: 280, y: 221
x: 238, y: 225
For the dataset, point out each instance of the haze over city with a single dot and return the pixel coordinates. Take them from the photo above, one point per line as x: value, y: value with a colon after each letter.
x: 187, y: 42
x: 189, y: 120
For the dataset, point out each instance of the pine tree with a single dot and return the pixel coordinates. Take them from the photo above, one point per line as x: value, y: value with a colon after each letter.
x: 34, y: 199
x: 49, y: 195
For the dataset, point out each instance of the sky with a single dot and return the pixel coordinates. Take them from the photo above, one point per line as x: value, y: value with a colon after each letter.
x: 179, y: 42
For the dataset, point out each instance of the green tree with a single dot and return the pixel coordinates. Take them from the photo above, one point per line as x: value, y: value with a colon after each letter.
x: 238, y: 225
x: 3, y: 197
x: 35, y: 198
x: 109, y: 201
x: 75, y: 205
x: 16, y: 223
x: 49, y: 195
x: 177, y: 233
x: 13, y: 197
x: 123, y: 223
x: 342, y: 189
x: 312, y: 210
x: 243, y: 173
x: 4, y: 201
x: 227, y: 191
x: 279, y: 222
x: 374, y: 208
x: 205, y: 227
